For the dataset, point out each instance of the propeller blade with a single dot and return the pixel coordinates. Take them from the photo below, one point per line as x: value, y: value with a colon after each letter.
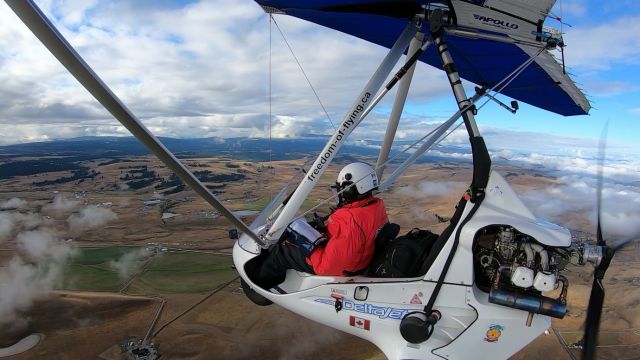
x: 42, y: 28
x: 601, y: 155
x: 592, y: 323
x: 622, y: 243
x: 596, y: 299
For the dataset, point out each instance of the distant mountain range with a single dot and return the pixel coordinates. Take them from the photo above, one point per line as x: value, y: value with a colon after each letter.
x: 87, y: 148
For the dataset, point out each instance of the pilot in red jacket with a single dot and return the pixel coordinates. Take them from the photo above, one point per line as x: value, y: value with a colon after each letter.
x: 351, y: 231
x: 350, y: 234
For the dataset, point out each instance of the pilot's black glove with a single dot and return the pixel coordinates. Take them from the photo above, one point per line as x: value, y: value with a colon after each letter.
x: 318, y: 223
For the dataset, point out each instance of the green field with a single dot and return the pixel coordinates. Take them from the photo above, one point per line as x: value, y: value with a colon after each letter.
x: 257, y: 205
x: 170, y: 272
x: 95, y: 256
x: 183, y: 273
x: 89, y: 269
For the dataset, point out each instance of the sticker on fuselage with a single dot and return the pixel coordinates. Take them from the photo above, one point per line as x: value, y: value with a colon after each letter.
x: 359, y: 322
x: 494, y: 333
x: 381, y: 312
x: 415, y: 300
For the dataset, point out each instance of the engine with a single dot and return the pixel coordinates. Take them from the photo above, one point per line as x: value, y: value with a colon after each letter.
x: 516, y: 270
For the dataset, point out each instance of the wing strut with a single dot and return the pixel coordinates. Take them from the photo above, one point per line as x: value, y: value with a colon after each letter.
x: 398, y: 106
x: 42, y: 28
x: 433, y: 139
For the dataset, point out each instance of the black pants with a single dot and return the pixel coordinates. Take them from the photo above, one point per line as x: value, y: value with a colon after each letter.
x: 273, y: 268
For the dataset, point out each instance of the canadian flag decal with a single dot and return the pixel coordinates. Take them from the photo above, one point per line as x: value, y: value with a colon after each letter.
x: 359, y: 322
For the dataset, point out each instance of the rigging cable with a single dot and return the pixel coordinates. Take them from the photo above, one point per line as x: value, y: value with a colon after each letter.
x: 564, y: 69
x: 308, y: 160
x: 270, y: 103
x: 303, y: 72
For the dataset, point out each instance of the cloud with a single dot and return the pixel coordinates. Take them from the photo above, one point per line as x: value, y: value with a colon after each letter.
x: 42, y: 244
x: 13, y: 203
x: 129, y: 262
x: 574, y: 200
x: 575, y: 163
x: 6, y: 226
x: 568, y: 9
x: 578, y: 161
x: 416, y: 215
x: 611, y: 88
x: 196, y: 70
x: 22, y: 282
x: 203, y: 68
x: 428, y: 189
x: 624, y: 50
x: 13, y: 222
x: 72, y: 12
x: 51, y: 95
x: 61, y: 204
x: 90, y: 217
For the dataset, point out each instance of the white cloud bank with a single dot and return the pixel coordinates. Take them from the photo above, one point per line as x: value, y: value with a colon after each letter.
x: 578, y: 196
x: 13, y: 203
x: 62, y: 204
x: 129, y: 262
x: 30, y: 275
x: 14, y: 222
x: 200, y: 70
x: 427, y: 189
x: 37, y: 267
x: 90, y: 217
x: 624, y: 50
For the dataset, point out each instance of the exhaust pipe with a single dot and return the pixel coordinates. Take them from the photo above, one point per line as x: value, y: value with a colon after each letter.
x: 530, y: 302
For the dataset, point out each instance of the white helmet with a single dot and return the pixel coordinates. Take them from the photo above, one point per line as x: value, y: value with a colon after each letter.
x: 361, y: 173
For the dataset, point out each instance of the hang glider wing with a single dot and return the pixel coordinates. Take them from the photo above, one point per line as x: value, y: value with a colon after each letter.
x: 484, y: 62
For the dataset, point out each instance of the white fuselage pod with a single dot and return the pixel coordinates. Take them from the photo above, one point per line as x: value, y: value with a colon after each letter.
x: 372, y: 308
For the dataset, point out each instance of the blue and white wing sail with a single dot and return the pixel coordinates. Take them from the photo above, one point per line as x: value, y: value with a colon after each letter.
x: 482, y: 61
x: 518, y: 19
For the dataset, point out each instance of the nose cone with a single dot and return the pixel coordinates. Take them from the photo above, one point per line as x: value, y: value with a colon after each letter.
x: 244, y: 250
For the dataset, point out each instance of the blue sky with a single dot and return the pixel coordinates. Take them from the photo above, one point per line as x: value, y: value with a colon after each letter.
x: 604, y: 56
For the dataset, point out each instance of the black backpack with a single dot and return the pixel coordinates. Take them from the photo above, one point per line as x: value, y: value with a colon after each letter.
x: 403, y: 256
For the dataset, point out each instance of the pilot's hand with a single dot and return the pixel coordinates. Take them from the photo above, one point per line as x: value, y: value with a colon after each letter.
x: 318, y: 222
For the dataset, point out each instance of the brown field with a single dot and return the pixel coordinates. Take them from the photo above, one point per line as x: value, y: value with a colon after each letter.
x: 79, y: 325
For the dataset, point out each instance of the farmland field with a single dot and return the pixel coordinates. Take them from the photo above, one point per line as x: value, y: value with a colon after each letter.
x: 92, y: 269
x: 183, y: 273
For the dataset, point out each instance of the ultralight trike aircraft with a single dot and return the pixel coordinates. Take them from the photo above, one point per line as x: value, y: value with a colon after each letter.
x: 480, y: 291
